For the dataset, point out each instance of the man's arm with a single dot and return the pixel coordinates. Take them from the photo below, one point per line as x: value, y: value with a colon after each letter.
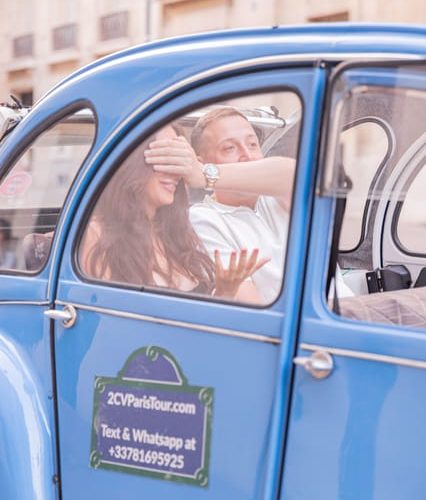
x: 268, y: 176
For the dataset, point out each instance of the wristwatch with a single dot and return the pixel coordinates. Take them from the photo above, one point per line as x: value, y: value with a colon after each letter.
x: 211, y: 174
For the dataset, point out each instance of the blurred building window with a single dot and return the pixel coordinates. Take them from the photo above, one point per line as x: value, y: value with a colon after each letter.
x: 26, y: 98
x: 195, y: 15
x: 330, y: 18
x: 114, y: 25
x: 23, y: 45
x: 64, y: 37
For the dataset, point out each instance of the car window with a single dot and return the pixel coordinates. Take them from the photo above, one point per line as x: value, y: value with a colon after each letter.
x: 371, y: 173
x: 201, y: 206
x: 33, y: 190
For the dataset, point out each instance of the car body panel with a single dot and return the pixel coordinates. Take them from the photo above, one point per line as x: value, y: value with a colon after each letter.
x: 174, y: 324
x: 345, y: 436
x: 369, y: 407
x: 26, y: 416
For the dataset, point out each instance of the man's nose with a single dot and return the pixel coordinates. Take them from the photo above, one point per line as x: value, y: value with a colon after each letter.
x: 245, y: 153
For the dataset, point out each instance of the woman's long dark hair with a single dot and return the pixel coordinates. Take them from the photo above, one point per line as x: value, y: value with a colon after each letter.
x: 125, y: 248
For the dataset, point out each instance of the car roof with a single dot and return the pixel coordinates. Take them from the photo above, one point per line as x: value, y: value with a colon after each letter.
x: 132, y: 82
x: 334, y: 41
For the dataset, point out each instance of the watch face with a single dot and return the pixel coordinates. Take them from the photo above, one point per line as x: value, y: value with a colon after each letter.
x: 210, y: 170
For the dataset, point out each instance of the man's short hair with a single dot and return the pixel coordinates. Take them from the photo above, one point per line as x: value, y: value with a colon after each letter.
x: 207, y: 119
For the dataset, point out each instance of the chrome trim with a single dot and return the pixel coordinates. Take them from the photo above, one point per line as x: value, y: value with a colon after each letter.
x: 238, y: 65
x: 171, y: 322
x: 381, y: 358
x: 23, y: 302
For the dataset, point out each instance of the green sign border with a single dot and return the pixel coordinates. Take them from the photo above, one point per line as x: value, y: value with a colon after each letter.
x: 205, y: 394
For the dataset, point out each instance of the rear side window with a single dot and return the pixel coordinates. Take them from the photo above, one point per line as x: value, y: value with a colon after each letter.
x: 375, y: 171
x: 34, y: 189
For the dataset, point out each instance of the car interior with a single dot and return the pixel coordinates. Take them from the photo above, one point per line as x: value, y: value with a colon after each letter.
x: 373, y: 141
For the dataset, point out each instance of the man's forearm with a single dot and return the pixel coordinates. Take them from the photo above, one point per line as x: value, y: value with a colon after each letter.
x: 268, y: 176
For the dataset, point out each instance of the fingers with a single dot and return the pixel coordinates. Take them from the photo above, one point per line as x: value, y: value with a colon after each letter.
x: 175, y: 147
x: 232, y: 268
x: 261, y: 263
x: 233, y: 261
x: 165, y: 151
x: 169, y: 152
x: 228, y: 280
x: 218, y: 262
x: 171, y: 169
x: 242, y: 262
x: 242, y: 267
x: 251, y: 263
x: 226, y: 273
x: 175, y: 156
x: 170, y: 143
x: 166, y: 160
x: 255, y: 265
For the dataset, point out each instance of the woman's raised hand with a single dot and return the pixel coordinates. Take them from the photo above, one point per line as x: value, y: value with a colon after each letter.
x: 176, y: 156
x: 240, y: 268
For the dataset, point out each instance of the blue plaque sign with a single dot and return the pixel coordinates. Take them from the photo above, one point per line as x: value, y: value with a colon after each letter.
x: 149, y: 421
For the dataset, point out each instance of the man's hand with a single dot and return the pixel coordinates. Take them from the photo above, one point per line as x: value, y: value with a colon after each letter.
x: 176, y: 156
x: 229, y: 280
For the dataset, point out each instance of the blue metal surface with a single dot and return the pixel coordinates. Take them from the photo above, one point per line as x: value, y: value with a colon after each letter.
x: 359, y: 433
x: 27, y: 434
x: 348, y: 437
x: 301, y: 214
x: 241, y: 372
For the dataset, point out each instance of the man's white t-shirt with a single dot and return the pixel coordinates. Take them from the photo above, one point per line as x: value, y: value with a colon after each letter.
x: 227, y: 228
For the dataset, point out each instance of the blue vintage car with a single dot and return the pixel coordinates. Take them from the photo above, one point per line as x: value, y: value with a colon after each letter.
x: 213, y: 270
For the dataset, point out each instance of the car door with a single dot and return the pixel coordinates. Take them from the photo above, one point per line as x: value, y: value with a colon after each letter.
x: 356, y: 424
x: 162, y: 393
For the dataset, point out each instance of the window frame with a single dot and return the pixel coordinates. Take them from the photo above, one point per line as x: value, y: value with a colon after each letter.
x: 367, y: 204
x: 326, y: 189
x: 146, y: 133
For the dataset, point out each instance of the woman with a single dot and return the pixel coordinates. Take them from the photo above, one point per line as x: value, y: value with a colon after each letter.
x: 140, y: 233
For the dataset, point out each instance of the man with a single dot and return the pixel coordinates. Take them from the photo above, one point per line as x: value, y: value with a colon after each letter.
x: 250, y: 202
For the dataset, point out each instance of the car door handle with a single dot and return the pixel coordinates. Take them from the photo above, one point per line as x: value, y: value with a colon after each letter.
x: 319, y: 364
x: 68, y: 315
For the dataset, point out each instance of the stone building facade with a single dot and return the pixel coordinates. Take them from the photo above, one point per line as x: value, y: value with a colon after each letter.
x: 42, y: 41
